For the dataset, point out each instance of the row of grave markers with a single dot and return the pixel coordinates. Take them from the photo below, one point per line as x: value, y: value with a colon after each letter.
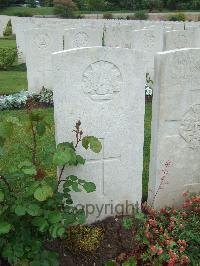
x: 40, y: 43
x: 103, y: 87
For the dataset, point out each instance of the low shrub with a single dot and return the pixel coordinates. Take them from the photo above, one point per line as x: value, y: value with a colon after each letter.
x: 108, y: 16
x: 140, y: 15
x: 21, y: 99
x: 64, y: 8
x: 14, y: 101
x: 34, y: 210
x: 177, y: 17
x: 8, y: 29
x: 169, y: 236
x: 7, y: 57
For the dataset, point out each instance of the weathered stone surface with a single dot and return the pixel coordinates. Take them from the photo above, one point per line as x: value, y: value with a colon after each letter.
x: 119, y: 36
x: 83, y: 37
x: 151, y: 41
x: 181, y: 39
x: 40, y: 43
x: 175, y: 126
x: 102, y: 87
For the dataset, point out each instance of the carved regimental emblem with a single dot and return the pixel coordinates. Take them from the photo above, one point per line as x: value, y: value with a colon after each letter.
x: 190, y: 127
x: 42, y: 41
x: 80, y: 40
x: 102, y: 80
x: 149, y: 40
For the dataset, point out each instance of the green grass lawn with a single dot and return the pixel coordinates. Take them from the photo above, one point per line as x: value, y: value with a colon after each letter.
x: 16, y: 11
x: 16, y: 150
x: 14, y: 79
x: 147, y: 141
x: 16, y: 153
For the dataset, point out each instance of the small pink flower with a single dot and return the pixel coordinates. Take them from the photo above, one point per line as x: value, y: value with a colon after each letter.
x: 160, y: 251
x: 153, y: 249
x: 181, y: 249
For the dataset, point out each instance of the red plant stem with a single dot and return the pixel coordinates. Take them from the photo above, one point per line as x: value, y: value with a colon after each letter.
x: 167, y: 164
x: 78, y: 139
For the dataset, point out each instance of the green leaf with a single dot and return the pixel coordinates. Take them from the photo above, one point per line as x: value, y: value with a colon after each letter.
x: 20, y: 210
x: 28, y: 168
x: 65, y: 145
x: 80, y: 159
x: 43, y: 193
x: 34, y: 209
x: 67, y: 156
x: 29, y: 171
x: 93, y: 143
x: 75, y: 187
x: 57, y: 230
x: 41, y: 223
x: 81, y: 217
x: 69, y: 218
x: 4, y: 228
x: 85, y: 142
x: 6, y: 129
x: 1, y: 196
x: 89, y: 187
x: 54, y: 217
x: 41, y: 129
x: 72, y: 177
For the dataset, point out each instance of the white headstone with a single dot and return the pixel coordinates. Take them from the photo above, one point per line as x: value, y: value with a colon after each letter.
x: 103, y: 88
x: 148, y: 40
x: 83, y: 37
x: 175, y: 127
x: 40, y: 43
x: 178, y: 39
x: 118, y: 36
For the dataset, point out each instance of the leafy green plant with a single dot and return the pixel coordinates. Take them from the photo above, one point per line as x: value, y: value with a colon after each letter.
x: 33, y: 207
x: 108, y: 16
x: 140, y: 15
x: 7, y: 57
x: 127, y: 223
x: 177, y: 17
x: 8, y: 29
x: 64, y: 8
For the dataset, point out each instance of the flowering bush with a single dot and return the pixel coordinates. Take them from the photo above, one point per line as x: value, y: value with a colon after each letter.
x: 171, y: 235
x: 45, y: 96
x: 19, y: 100
x: 14, y: 101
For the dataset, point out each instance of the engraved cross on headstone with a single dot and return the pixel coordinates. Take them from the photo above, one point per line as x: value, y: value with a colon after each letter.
x: 103, y: 160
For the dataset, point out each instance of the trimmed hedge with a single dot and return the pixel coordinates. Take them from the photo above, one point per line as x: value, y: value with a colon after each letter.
x: 7, y: 57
